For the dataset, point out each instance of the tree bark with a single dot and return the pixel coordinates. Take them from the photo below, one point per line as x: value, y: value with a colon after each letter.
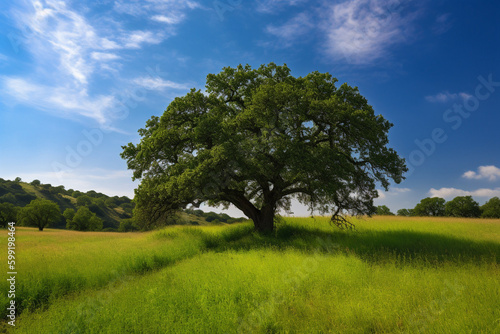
x: 264, y: 221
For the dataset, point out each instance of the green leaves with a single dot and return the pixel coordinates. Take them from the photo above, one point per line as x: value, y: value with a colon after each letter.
x: 259, y: 137
x: 430, y: 206
x: 39, y: 213
x: 82, y: 220
x: 8, y: 213
x: 462, y: 206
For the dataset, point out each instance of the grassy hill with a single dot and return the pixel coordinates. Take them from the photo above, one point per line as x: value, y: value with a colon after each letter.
x: 391, y: 275
x: 110, y: 209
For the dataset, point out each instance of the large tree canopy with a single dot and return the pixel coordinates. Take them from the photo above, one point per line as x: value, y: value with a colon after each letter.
x: 258, y: 137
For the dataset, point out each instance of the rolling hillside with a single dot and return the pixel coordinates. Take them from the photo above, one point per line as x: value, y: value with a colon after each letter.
x: 111, y: 210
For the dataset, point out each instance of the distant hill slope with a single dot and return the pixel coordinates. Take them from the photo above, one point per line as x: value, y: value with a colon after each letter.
x: 110, y: 209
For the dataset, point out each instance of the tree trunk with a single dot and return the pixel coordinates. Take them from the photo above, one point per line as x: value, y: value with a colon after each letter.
x: 264, y: 221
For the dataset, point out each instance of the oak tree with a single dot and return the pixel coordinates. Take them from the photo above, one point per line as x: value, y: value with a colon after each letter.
x: 82, y: 220
x: 256, y: 138
x: 463, y: 206
x: 383, y: 210
x: 491, y: 209
x: 430, y: 206
x: 39, y: 213
x: 8, y: 213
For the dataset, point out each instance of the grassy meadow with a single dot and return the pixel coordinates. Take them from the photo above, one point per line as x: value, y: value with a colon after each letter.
x: 391, y: 275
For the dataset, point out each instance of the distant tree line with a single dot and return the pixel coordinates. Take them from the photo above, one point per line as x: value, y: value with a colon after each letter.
x: 183, y: 217
x: 213, y: 217
x: 461, y: 206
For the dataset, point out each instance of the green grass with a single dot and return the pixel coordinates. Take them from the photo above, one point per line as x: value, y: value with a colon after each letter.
x: 392, y: 275
x: 53, y: 263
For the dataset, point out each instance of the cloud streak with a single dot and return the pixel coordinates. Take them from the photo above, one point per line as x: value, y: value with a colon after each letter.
x: 293, y: 29
x: 165, y: 11
x: 392, y: 192
x: 156, y: 83
x: 272, y: 6
x: 449, y: 193
x: 60, y: 101
x: 446, y: 96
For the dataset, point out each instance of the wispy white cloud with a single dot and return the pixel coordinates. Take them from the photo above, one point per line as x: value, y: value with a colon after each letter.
x: 442, y: 24
x: 392, y: 192
x: 273, y: 6
x: 65, y: 102
x: 357, y: 31
x: 135, y: 39
x: 293, y: 29
x: 491, y: 173
x: 131, y: 8
x: 446, y: 96
x: 68, y: 50
x: 104, y: 56
x: 362, y: 31
x: 157, y: 10
x: 59, y: 33
x: 156, y: 83
x: 170, y: 19
x: 400, y: 190
x: 449, y: 193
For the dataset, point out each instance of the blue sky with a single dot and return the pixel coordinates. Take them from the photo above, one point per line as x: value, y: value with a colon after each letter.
x: 79, y: 78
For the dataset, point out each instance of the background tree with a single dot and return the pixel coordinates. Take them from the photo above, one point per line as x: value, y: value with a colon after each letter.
x: 111, y: 202
x: 76, y: 194
x: 128, y: 225
x: 39, y: 213
x: 84, y: 220
x: 8, y: 198
x: 35, y: 183
x: 383, y: 210
x: 83, y: 200
x: 491, y: 209
x: 430, y: 206
x: 8, y: 213
x: 69, y: 214
x: 405, y: 212
x: 463, y: 206
x: 259, y: 137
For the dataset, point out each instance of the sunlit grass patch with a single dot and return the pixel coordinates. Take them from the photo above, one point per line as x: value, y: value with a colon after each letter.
x: 54, y: 262
x: 260, y: 291
x: 391, y: 274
